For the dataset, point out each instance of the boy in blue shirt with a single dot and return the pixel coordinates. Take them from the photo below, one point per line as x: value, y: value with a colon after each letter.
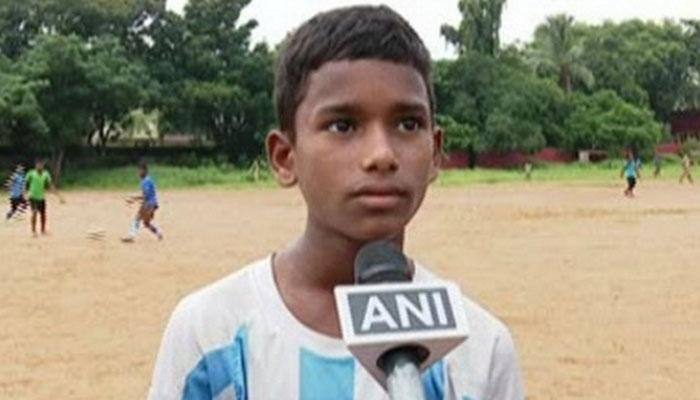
x: 16, y: 184
x: 631, y: 172
x: 149, y: 205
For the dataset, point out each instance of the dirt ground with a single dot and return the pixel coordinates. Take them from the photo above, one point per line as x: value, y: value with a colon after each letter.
x: 602, y: 293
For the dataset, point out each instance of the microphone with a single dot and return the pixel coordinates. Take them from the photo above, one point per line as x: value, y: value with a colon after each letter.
x: 397, y: 328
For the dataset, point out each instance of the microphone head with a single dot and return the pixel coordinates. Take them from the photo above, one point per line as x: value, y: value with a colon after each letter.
x: 381, y: 261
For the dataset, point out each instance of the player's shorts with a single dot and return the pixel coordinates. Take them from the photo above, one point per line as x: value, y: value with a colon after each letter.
x: 149, y: 208
x: 16, y: 202
x: 38, y: 205
x: 631, y: 182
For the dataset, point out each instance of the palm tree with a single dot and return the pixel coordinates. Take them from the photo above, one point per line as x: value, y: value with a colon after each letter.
x: 557, y: 49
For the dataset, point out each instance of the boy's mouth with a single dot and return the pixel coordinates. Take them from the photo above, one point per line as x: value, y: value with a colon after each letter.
x: 380, y: 197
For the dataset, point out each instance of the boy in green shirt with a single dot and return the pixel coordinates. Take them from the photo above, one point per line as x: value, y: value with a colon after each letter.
x: 38, y: 181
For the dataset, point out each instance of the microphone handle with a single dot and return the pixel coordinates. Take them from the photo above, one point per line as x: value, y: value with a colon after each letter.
x: 403, y: 376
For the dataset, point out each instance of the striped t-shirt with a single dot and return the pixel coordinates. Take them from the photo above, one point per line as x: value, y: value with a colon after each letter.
x: 17, y: 183
x: 235, y: 339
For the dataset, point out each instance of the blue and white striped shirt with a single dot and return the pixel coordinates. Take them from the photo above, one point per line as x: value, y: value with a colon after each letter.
x: 18, y: 181
x: 236, y: 340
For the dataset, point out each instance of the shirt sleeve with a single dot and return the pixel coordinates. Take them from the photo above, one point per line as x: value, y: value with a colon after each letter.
x: 505, y: 380
x: 178, y: 355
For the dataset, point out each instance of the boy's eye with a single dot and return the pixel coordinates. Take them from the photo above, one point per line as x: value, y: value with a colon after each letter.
x: 341, y: 126
x: 411, y: 124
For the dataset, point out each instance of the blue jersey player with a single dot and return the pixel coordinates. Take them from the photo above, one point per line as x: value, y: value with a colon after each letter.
x: 149, y: 205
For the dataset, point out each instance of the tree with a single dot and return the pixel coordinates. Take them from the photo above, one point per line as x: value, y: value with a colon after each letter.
x: 603, y: 121
x: 19, y: 23
x: 690, y: 98
x: 462, y: 90
x: 497, y: 106
x: 212, y: 83
x: 23, y: 20
x: 64, y: 98
x: 479, y: 29
x: 116, y: 86
x: 527, y: 113
x: 21, y: 120
x: 558, y: 49
x: 646, y: 63
x: 458, y: 136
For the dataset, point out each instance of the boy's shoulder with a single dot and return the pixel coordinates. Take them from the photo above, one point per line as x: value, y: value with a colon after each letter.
x: 209, y: 315
x: 236, y: 287
x: 487, y: 362
x: 240, y: 294
x: 480, y: 319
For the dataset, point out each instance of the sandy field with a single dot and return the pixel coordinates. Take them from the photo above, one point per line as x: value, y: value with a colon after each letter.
x: 602, y: 293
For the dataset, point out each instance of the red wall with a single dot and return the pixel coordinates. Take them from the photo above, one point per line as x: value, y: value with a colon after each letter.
x: 507, y: 160
x: 686, y: 122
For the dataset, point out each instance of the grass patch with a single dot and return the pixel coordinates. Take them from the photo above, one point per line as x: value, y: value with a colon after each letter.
x: 167, y: 177
x: 171, y: 177
x: 604, y: 172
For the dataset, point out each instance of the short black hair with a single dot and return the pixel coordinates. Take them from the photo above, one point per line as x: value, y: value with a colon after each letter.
x: 143, y: 164
x: 352, y: 33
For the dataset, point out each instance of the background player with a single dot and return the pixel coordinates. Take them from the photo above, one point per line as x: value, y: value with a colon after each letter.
x: 38, y: 182
x: 148, y: 207
x: 16, y: 185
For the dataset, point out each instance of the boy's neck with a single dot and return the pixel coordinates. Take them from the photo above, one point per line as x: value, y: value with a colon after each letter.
x: 322, y: 258
x: 307, y: 272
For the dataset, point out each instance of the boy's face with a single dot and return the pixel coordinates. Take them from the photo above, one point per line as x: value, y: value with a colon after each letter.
x: 39, y: 165
x: 142, y: 172
x: 365, y: 148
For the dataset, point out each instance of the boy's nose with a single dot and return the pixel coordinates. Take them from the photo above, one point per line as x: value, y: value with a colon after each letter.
x: 380, y: 154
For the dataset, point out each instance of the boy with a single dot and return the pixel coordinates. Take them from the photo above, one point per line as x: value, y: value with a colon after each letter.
x: 631, y: 172
x: 16, y: 185
x: 686, y: 163
x: 38, y: 181
x: 149, y: 205
x: 657, y: 164
x: 357, y: 135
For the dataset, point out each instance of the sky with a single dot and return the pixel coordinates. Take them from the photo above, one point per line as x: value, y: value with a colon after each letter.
x: 520, y: 17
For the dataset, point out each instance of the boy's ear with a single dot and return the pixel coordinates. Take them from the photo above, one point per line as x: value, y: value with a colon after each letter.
x: 437, y: 153
x: 280, y: 154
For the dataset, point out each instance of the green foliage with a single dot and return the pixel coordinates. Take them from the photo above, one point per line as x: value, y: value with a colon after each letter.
x: 58, y: 62
x: 479, y: 29
x: 604, y: 121
x: 557, y: 50
x: 495, y: 106
x: 692, y: 147
x: 646, y: 63
x: 19, y: 23
x: 211, y: 82
x: 117, y: 86
x: 21, y: 120
x: 458, y: 136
